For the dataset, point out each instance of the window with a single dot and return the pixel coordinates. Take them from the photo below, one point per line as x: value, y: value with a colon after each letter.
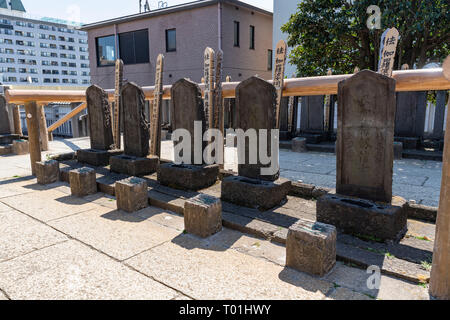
x: 171, y: 40
x: 134, y: 47
x: 269, y: 60
x: 252, y: 37
x: 236, y: 34
x: 106, y: 51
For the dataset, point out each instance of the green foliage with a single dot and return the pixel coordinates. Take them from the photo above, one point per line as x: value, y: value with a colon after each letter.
x: 334, y: 34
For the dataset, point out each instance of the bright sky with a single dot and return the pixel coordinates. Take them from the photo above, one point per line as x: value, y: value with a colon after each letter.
x: 88, y: 11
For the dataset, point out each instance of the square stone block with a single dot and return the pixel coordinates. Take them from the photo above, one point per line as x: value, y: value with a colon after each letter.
x: 20, y: 147
x: 299, y: 145
x: 132, y: 194
x: 408, y: 142
x: 255, y: 193
x: 134, y: 166
x: 188, y: 177
x: 98, y: 158
x: 364, y: 217
x: 47, y: 172
x: 5, y: 149
x: 83, y: 182
x: 8, y: 138
x: 311, y: 247
x: 203, y: 215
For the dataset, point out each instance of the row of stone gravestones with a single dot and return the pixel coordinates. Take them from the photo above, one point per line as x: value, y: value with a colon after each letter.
x: 409, y: 118
x: 363, y: 203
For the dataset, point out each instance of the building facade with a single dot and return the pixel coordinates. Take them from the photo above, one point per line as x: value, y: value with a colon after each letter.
x: 40, y: 52
x: 243, y: 32
x: 282, y: 11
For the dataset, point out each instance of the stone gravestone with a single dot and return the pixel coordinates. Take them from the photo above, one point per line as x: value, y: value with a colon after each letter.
x: 410, y: 118
x: 186, y: 109
x: 255, y: 109
x: 5, y: 127
x: 364, y: 203
x: 312, y: 119
x: 135, y: 160
x: 100, y: 127
x: 438, y: 128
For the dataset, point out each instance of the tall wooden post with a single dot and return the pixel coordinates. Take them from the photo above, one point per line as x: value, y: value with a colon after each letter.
x: 155, y: 119
x: 209, y: 86
x: 278, y: 78
x: 440, y: 275
x: 43, y: 132
x: 219, y: 114
x: 32, y: 116
x: 389, y: 42
x: 117, y: 102
x: 17, y: 123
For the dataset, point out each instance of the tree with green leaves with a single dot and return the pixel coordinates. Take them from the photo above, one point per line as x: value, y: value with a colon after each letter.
x: 334, y: 34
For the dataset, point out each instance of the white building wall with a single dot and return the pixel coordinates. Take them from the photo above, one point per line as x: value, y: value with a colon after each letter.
x: 282, y: 11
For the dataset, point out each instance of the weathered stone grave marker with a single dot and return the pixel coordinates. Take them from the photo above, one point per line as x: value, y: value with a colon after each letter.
x: 5, y: 128
x: 100, y: 126
x: 189, y: 172
x: 312, y: 119
x: 255, y: 109
x: 135, y: 161
x: 364, y: 203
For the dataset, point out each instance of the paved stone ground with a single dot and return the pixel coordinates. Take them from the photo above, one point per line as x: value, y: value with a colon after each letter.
x: 55, y: 246
x: 413, y: 179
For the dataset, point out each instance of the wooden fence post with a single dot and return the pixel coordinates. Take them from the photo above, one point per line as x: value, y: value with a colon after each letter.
x: 32, y: 116
x: 43, y: 132
x: 17, y: 123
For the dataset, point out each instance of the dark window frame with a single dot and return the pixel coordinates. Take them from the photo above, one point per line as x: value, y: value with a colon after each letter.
x: 167, y: 40
x: 147, y: 56
x: 252, y: 37
x: 237, y: 34
x: 269, y: 60
x: 99, y: 65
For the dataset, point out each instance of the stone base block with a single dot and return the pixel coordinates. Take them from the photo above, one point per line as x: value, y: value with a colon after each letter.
x: 203, y: 215
x: 5, y: 149
x: 83, y: 182
x: 408, y: 142
x: 20, y: 147
x: 134, y: 166
x: 255, y: 193
x: 312, y: 138
x: 8, y: 138
x: 188, y: 177
x: 363, y: 217
x: 132, y: 194
x: 398, y: 150
x: 299, y: 145
x: 311, y: 247
x: 98, y: 158
x: 47, y: 172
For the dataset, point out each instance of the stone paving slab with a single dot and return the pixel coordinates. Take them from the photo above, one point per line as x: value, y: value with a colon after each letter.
x: 71, y: 270
x: 21, y: 234
x: 238, y: 277
x: 116, y: 233
x: 48, y: 204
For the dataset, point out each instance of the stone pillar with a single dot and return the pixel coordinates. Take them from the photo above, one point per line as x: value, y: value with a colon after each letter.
x: 100, y: 124
x: 440, y: 275
x: 438, y: 129
x: 312, y: 118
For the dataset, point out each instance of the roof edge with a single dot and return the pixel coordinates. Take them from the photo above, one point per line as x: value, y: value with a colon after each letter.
x: 176, y: 8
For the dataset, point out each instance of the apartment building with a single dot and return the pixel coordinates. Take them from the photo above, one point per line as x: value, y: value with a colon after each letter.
x: 41, y: 51
x: 243, y: 32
